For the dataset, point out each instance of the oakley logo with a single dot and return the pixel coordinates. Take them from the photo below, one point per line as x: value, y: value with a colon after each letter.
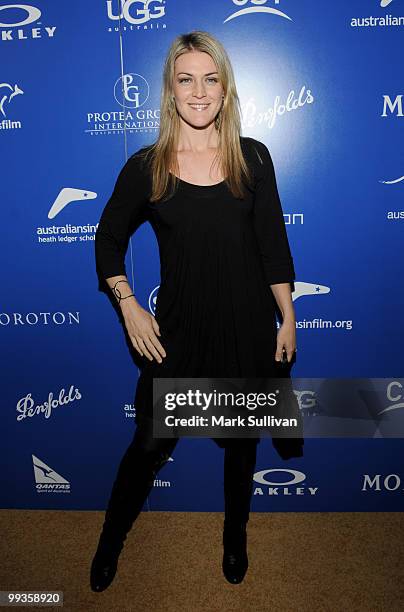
x: 33, y: 14
x: 295, y: 477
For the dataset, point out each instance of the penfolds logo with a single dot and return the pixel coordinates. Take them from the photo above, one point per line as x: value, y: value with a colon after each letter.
x: 251, y: 116
x: 26, y: 406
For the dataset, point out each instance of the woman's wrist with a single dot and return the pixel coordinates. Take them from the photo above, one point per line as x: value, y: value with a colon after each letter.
x: 128, y: 301
x: 289, y: 317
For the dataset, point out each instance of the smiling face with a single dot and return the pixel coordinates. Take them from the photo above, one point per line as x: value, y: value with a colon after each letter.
x: 197, y: 88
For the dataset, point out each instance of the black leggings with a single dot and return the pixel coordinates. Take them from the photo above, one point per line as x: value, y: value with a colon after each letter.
x: 146, y: 455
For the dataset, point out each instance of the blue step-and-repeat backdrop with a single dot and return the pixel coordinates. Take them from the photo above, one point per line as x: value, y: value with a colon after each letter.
x: 320, y: 83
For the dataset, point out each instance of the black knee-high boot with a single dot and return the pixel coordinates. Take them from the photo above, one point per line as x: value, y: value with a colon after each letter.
x: 239, y: 465
x: 131, y: 488
x: 141, y: 462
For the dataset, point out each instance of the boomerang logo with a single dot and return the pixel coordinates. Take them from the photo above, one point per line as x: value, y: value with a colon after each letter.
x: 384, y: 3
x: 67, y: 195
x: 256, y: 9
x: 308, y: 289
x: 393, y: 182
x: 7, y: 96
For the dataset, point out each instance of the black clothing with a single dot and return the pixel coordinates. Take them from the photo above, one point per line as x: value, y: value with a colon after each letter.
x: 139, y: 466
x: 218, y: 255
x: 215, y: 309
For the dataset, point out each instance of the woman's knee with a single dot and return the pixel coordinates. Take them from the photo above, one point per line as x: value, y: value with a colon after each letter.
x: 147, y: 450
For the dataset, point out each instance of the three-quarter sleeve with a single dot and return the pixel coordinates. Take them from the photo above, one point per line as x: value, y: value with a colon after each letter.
x: 269, y: 223
x: 124, y: 208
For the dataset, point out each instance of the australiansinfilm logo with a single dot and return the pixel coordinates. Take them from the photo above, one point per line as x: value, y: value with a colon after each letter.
x: 301, y: 289
x: 19, y: 22
x: 131, y: 92
x: 67, y: 233
x: 134, y: 15
x: 382, y: 20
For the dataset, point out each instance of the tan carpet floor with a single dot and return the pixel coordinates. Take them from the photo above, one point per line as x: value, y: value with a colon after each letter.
x: 171, y: 562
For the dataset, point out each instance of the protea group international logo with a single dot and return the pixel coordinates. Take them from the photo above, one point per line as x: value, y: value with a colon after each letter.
x: 131, y: 92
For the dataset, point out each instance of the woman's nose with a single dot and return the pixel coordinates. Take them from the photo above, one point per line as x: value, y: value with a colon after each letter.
x: 199, y: 89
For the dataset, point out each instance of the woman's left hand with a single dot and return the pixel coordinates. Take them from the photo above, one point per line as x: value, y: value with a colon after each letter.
x: 286, y: 338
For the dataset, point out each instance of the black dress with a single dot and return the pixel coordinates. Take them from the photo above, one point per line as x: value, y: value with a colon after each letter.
x: 218, y: 256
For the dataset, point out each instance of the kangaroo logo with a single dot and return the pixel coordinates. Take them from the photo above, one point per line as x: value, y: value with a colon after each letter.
x: 67, y: 195
x: 7, y: 96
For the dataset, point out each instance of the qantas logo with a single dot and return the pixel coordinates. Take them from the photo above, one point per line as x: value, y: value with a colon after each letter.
x: 47, y: 480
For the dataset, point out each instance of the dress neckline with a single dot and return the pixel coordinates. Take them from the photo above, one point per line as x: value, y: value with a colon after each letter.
x: 196, y: 185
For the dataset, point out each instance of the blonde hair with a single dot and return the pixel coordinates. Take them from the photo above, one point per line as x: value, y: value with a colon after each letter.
x: 162, y: 154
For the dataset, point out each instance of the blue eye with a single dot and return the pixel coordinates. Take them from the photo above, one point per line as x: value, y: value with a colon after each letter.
x: 184, y: 79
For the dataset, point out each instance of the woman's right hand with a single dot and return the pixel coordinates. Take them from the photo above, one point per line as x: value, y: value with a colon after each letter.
x: 142, y: 328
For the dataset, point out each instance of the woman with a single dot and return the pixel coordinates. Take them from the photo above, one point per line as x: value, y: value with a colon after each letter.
x: 211, y: 198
